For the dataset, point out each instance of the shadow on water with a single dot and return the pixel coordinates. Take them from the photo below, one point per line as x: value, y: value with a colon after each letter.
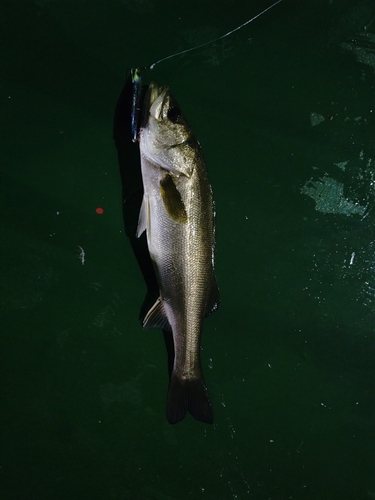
x: 132, y: 194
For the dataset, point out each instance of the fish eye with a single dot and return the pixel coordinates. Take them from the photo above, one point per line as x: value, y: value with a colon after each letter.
x: 174, y: 114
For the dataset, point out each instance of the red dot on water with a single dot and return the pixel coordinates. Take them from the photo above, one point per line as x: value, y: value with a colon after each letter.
x: 99, y: 210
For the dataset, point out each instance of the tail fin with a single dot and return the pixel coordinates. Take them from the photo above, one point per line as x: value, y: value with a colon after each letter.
x: 188, y: 395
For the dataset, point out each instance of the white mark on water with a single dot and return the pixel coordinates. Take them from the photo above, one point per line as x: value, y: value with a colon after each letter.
x: 328, y: 195
x: 352, y: 259
x: 82, y: 255
x: 316, y: 119
x: 342, y: 164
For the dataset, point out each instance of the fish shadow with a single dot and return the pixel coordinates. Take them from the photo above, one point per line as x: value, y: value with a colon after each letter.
x: 132, y: 193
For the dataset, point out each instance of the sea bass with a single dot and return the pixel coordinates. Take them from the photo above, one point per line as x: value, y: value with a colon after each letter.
x: 178, y: 216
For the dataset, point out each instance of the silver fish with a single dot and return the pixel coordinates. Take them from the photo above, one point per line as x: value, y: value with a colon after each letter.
x: 178, y: 216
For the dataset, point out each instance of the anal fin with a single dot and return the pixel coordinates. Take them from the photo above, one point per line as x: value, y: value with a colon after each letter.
x: 156, y: 317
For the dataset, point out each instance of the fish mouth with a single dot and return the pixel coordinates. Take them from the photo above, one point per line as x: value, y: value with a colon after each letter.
x: 154, y: 91
x: 153, y: 102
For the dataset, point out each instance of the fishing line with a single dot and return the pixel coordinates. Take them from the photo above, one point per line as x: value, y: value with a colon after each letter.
x: 152, y: 66
x: 136, y: 73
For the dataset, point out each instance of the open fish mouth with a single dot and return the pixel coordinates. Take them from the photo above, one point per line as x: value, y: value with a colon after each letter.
x: 153, y: 102
x: 154, y: 91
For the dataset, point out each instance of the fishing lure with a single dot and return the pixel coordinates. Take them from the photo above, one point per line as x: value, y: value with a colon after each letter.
x: 136, y: 97
x: 137, y: 81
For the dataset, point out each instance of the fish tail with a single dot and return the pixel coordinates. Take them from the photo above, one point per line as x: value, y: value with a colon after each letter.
x: 188, y: 395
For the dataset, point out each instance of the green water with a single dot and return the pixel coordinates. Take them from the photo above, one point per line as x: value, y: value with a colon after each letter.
x: 285, y: 112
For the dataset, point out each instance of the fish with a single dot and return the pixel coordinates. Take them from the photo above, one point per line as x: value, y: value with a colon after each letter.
x: 178, y: 216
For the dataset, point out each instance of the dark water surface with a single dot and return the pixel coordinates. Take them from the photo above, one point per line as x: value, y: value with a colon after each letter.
x: 285, y: 112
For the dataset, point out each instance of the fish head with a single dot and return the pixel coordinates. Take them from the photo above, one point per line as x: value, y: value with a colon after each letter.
x: 166, y: 139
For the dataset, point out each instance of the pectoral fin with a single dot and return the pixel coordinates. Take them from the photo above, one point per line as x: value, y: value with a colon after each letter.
x: 156, y: 317
x: 144, y: 217
x: 172, y: 200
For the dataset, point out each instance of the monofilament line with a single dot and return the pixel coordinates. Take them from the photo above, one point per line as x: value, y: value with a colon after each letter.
x: 216, y: 39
